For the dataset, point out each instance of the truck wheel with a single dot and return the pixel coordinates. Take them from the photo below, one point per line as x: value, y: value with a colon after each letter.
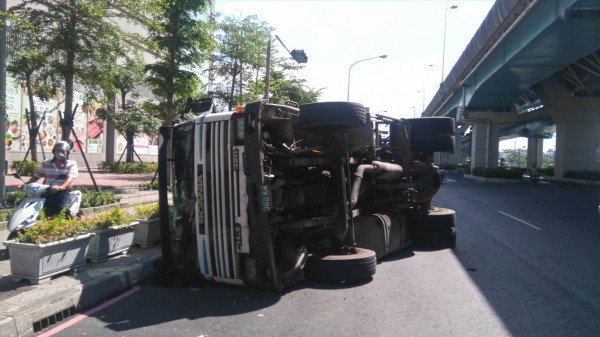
x: 12, y: 236
x: 434, y: 239
x: 431, y: 126
x: 336, y: 268
x: 437, y: 143
x: 345, y: 114
x: 435, y: 219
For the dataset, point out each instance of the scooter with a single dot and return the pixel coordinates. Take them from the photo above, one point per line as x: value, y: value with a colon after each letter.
x: 535, y: 177
x: 27, y: 213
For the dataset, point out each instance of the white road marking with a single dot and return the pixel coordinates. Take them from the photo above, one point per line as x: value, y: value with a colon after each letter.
x: 519, y: 220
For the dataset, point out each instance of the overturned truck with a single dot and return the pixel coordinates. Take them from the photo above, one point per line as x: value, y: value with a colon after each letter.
x: 274, y: 194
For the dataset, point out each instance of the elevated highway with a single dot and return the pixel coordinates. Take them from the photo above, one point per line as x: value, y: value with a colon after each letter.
x: 533, y: 67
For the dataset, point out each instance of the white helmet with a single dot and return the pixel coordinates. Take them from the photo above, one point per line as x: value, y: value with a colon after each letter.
x: 62, y: 145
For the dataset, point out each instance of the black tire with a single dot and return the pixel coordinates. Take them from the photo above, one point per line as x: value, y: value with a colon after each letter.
x: 431, y: 126
x: 345, y: 114
x: 434, y: 240
x: 435, y: 219
x: 439, y: 143
x: 337, y: 268
x: 12, y: 236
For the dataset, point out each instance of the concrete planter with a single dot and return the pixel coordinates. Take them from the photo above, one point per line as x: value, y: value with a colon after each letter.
x: 109, y: 242
x: 147, y: 233
x: 37, y: 263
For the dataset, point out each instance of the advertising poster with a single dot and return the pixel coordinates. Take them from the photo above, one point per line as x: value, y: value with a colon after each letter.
x: 79, y: 124
x: 48, y: 132
x: 120, y: 144
x: 13, y: 127
x: 95, y: 129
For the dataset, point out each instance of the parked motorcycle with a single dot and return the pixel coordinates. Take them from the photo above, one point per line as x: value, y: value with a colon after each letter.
x: 26, y: 214
x: 535, y: 177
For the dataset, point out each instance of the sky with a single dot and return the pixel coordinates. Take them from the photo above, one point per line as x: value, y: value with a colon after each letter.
x: 337, y: 33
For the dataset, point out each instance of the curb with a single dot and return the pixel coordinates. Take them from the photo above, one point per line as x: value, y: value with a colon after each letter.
x: 27, y: 319
x: 493, y: 180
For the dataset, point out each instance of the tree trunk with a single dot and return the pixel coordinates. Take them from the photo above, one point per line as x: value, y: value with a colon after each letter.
x: 129, y: 155
x: 233, y: 82
x: 68, y: 113
x: 32, y: 126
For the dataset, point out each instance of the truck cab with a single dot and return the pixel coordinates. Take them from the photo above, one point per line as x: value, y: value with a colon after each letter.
x: 270, y: 194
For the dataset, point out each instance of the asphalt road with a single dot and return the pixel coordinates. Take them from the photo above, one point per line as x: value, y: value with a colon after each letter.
x: 526, y: 264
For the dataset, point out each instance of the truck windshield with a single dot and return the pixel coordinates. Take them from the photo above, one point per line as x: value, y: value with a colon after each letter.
x: 183, y: 182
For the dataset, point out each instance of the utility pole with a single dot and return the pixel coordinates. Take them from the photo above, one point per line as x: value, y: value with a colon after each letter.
x: 2, y: 101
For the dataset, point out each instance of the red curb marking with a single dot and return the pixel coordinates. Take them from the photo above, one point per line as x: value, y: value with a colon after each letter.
x: 88, y: 313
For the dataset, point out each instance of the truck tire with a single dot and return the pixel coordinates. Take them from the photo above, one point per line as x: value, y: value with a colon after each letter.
x: 337, y: 268
x: 431, y: 126
x: 437, y: 143
x: 345, y: 114
x: 434, y: 239
x: 435, y: 219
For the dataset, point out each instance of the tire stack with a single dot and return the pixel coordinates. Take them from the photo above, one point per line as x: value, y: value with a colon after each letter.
x: 434, y: 228
x: 432, y: 134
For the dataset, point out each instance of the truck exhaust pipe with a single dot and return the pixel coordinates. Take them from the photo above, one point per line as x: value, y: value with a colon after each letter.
x: 384, y: 171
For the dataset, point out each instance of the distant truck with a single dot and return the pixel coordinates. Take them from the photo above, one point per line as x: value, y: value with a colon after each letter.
x: 275, y: 194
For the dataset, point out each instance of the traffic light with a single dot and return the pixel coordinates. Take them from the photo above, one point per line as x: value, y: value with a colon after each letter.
x: 299, y: 55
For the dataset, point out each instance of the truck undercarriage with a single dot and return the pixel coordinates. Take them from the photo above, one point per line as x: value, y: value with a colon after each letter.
x: 277, y: 194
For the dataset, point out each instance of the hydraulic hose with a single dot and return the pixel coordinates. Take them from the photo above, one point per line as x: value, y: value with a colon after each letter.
x: 386, y: 171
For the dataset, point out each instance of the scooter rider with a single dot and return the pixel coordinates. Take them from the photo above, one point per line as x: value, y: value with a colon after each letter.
x: 57, y: 198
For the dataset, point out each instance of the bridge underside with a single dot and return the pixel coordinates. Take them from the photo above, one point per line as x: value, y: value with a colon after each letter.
x: 532, y: 67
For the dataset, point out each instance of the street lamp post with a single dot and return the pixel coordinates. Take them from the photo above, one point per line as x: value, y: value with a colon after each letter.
x: 297, y: 54
x: 371, y: 58
x: 444, y: 47
x: 424, y: 86
x: 2, y: 98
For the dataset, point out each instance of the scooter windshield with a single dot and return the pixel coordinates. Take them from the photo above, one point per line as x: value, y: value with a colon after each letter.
x: 31, y: 190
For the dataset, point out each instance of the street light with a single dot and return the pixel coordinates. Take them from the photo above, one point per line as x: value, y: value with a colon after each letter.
x: 297, y: 54
x: 424, y: 86
x: 371, y: 58
x: 444, y: 48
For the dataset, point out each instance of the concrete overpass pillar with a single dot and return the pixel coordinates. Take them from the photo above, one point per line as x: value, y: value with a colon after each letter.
x: 577, y: 127
x: 485, y: 140
x: 535, y: 152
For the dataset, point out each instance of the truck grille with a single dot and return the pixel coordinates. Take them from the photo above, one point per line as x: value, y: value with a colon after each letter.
x: 219, y: 182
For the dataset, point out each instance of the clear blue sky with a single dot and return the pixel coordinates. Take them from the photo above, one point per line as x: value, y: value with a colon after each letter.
x: 336, y: 34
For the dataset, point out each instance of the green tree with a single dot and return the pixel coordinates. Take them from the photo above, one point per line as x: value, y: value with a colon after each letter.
x: 287, y: 87
x: 81, y: 41
x: 123, y: 82
x: 242, y: 45
x: 28, y: 66
x: 129, y: 121
x: 177, y: 33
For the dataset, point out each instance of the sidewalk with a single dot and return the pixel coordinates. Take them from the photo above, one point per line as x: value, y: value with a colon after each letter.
x: 26, y: 309
x: 103, y: 179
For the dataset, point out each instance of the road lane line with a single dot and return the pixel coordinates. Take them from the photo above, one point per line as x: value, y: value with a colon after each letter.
x: 88, y: 313
x: 519, y: 220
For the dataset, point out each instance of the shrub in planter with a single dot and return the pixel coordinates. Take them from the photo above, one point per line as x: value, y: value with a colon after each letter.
x: 91, y: 198
x: 14, y: 198
x: 52, y: 246
x: 51, y: 229
x: 128, y: 168
x: 147, y: 231
x: 113, y: 231
x: 25, y: 167
x: 584, y: 175
x: 499, y: 172
x: 4, y: 215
